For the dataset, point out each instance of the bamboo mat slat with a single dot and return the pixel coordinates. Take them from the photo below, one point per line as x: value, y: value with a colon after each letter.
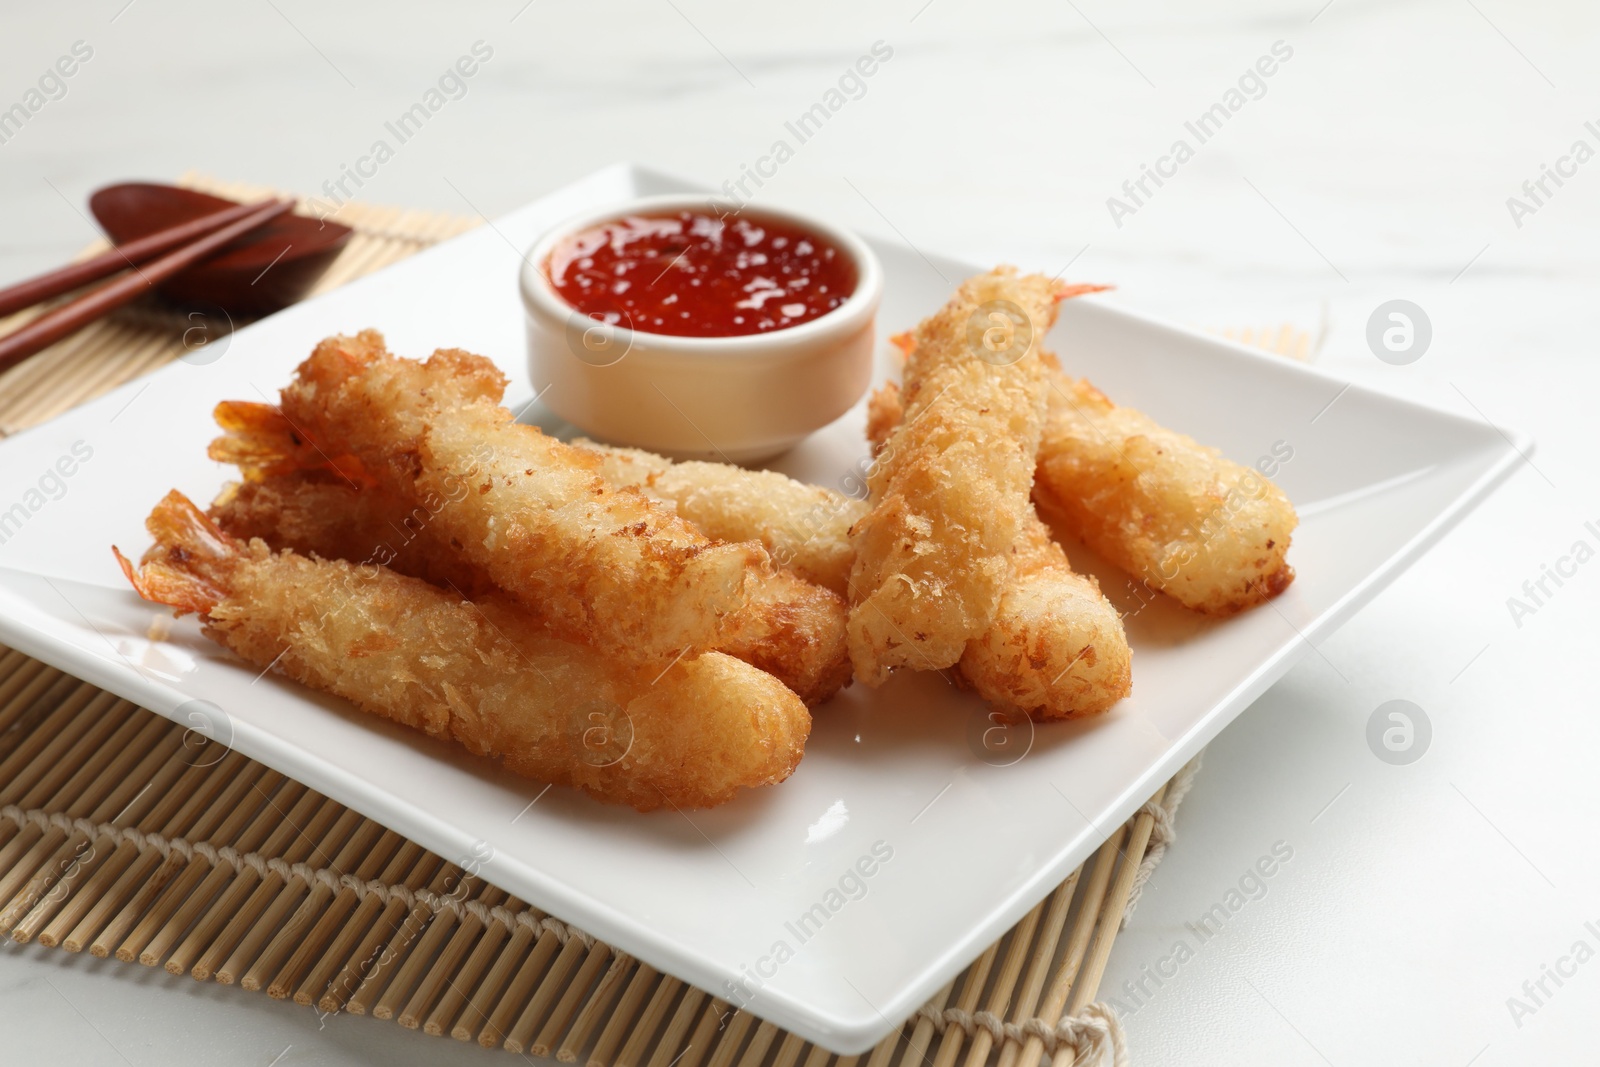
x: 125, y: 835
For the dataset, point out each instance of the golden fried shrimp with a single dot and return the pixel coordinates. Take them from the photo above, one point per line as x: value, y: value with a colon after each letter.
x: 609, y: 567
x: 949, y: 491
x: 1206, y: 531
x: 479, y: 672
x: 805, y: 528
x: 1056, y: 648
x: 787, y: 627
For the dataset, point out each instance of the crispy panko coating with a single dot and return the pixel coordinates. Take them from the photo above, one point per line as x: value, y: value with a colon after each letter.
x: 478, y: 672
x: 786, y: 627
x: 605, y: 566
x: 1206, y: 531
x: 1056, y: 648
x: 805, y: 528
x: 315, y: 515
x: 794, y: 631
x: 792, y: 624
x: 950, y: 490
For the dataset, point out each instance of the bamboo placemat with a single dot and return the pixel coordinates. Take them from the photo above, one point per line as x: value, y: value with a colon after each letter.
x: 127, y: 834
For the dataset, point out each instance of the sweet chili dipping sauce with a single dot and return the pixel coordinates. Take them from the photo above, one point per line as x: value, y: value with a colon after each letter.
x: 693, y: 274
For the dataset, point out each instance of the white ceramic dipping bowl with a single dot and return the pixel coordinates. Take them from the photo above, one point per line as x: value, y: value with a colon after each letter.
x: 741, y: 399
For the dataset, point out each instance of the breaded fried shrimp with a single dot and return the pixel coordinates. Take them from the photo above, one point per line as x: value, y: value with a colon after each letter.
x: 1208, y: 532
x: 606, y: 566
x: 691, y: 736
x: 950, y: 490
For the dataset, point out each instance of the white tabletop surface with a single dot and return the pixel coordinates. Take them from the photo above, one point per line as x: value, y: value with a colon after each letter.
x: 1374, y: 164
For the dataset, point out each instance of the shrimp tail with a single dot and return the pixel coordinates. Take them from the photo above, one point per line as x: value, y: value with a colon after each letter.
x: 190, y: 565
x: 262, y: 442
x: 1067, y: 292
x: 906, y: 341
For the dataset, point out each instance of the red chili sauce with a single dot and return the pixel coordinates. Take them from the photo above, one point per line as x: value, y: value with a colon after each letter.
x: 692, y: 274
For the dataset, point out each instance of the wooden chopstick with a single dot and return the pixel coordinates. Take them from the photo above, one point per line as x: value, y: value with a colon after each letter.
x: 30, y: 292
x: 54, y: 325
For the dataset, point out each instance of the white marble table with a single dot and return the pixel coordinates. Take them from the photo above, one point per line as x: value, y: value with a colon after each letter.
x: 1375, y: 163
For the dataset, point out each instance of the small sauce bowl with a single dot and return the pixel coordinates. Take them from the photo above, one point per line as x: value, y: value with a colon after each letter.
x: 741, y: 398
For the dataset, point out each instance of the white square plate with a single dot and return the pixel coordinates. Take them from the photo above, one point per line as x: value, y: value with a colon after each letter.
x: 719, y: 895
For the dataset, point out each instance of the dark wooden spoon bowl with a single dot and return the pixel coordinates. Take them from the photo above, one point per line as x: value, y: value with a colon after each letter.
x: 263, y: 272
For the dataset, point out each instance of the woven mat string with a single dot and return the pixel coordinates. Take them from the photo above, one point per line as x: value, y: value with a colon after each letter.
x: 1095, y: 1036
x: 149, y: 841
